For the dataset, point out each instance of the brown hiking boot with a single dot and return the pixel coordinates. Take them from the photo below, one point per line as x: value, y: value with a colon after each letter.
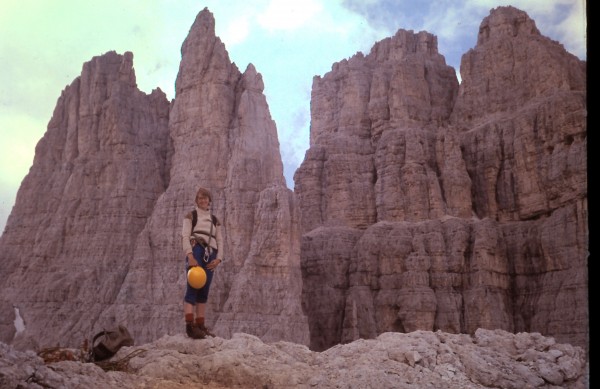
x: 193, y: 331
x: 205, y: 330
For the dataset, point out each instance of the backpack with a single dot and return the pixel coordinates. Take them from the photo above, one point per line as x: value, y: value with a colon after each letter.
x: 109, y: 342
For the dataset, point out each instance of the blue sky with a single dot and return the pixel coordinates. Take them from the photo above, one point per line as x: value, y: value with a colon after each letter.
x: 43, y: 45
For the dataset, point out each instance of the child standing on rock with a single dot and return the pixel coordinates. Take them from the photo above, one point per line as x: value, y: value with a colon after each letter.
x: 202, y: 242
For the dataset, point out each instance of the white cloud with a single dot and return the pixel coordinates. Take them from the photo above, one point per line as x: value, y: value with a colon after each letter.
x: 236, y: 31
x: 573, y: 28
x: 288, y: 15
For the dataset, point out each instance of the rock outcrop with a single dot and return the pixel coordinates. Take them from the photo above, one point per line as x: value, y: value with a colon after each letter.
x: 426, y: 205
x: 420, y: 359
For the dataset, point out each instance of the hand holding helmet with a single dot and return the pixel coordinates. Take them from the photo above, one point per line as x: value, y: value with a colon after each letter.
x: 196, y: 277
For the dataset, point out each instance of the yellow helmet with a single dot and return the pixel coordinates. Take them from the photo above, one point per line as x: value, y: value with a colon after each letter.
x: 196, y: 277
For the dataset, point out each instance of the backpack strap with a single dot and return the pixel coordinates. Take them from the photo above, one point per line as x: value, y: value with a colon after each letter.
x: 195, y: 219
x: 214, y: 223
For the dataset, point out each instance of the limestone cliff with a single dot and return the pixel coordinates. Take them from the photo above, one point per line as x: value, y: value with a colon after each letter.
x: 421, y: 204
x: 223, y: 139
x: 94, y: 238
x: 426, y: 205
x: 95, y: 179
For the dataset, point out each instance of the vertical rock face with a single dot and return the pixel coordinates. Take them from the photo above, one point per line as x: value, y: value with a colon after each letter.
x: 524, y: 143
x: 420, y: 205
x: 97, y: 174
x: 223, y: 139
x: 425, y: 205
x: 371, y: 115
x: 94, y: 238
x: 379, y: 167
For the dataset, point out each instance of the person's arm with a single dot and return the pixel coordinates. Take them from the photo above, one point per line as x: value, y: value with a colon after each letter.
x: 218, y: 235
x: 220, y: 244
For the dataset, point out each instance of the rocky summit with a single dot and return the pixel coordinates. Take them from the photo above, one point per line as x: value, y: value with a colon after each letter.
x: 437, y: 234
x: 392, y: 360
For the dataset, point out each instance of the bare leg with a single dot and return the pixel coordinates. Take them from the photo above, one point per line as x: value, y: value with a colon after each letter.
x: 188, y: 308
x: 200, y: 310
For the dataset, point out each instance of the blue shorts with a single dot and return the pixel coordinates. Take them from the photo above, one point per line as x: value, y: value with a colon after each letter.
x: 192, y: 295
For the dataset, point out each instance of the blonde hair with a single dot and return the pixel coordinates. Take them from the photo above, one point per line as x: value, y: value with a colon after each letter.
x: 203, y: 191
